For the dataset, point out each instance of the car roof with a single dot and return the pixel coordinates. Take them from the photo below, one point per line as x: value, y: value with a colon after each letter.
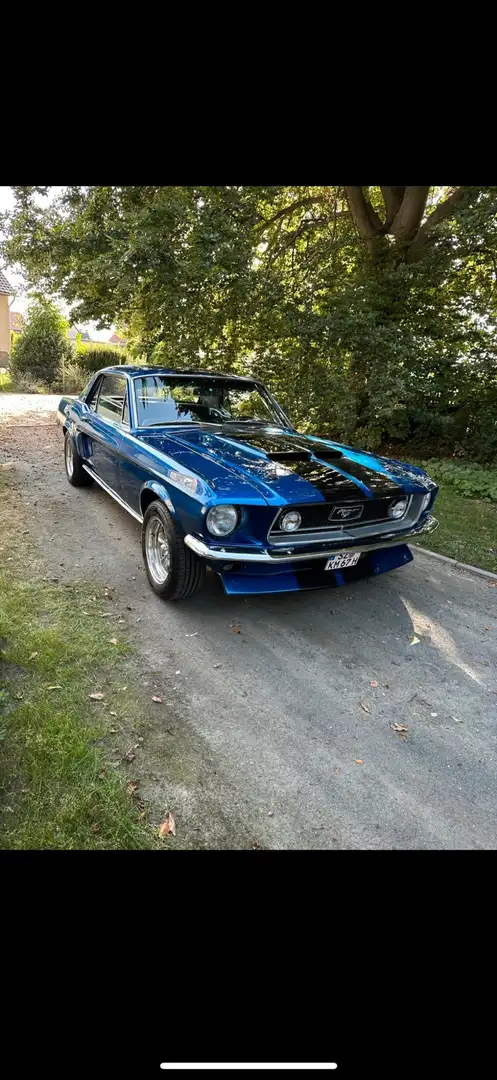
x: 134, y: 372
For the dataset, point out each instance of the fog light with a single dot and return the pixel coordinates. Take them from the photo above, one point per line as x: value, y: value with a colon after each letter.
x: 397, y: 509
x: 291, y: 521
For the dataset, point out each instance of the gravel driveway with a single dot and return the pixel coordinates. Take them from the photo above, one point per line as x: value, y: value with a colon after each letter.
x: 289, y: 721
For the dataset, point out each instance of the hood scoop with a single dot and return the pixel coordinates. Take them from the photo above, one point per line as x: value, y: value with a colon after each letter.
x: 304, y: 455
x: 289, y: 455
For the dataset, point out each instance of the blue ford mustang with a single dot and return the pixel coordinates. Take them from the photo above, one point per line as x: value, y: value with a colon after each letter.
x: 217, y: 476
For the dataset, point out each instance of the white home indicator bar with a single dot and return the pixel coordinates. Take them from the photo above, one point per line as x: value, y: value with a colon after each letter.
x: 249, y: 1065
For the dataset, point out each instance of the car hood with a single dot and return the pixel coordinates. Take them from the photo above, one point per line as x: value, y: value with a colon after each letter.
x: 284, y: 466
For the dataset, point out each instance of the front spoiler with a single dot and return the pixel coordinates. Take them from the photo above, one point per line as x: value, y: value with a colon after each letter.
x: 321, y: 551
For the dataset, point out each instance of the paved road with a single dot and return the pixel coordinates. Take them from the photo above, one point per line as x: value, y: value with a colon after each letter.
x: 275, y: 720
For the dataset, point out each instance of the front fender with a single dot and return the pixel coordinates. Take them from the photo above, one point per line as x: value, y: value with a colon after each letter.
x: 161, y: 492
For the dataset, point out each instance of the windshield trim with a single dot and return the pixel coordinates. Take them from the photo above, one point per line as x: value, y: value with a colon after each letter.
x: 256, y: 383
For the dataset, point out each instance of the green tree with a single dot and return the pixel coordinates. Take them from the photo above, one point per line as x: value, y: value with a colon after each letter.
x: 43, y: 348
x: 370, y: 311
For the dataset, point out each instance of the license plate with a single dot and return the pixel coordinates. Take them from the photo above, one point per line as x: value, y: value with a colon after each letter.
x: 338, y: 562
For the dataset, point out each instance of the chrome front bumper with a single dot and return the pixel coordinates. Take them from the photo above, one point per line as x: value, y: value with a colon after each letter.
x: 242, y: 555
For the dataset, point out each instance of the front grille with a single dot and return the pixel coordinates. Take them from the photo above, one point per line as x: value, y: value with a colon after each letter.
x: 317, y: 515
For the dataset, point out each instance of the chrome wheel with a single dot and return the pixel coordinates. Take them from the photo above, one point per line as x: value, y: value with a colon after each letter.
x: 68, y: 450
x: 157, y: 550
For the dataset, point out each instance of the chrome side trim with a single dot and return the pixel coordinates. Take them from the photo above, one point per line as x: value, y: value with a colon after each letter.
x: 226, y: 555
x: 114, y: 495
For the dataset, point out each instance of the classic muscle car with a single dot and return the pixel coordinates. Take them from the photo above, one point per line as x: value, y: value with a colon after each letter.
x: 218, y: 477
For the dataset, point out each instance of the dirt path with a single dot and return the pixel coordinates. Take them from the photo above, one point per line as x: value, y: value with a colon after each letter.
x: 261, y: 733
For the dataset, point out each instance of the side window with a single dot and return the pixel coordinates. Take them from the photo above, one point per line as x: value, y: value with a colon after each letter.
x: 111, y: 397
x: 91, y: 399
x: 126, y: 408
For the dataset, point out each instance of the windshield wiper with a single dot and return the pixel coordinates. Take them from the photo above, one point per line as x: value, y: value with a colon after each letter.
x: 250, y: 420
x: 169, y: 423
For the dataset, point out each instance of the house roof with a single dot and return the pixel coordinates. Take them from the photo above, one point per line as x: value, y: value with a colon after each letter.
x: 5, y: 286
x: 116, y: 340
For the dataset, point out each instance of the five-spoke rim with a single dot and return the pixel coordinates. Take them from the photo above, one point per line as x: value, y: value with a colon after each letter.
x: 69, y: 456
x: 158, y: 550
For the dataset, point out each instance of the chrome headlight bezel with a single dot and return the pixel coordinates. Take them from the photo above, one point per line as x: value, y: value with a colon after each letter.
x: 229, y: 512
x: 401, y: 502
x: 297, y: 521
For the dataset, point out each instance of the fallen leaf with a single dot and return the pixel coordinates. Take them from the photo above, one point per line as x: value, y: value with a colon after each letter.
x: 113, y: 641
x: 492, y: 585
x: 270, y: 813
x: 123, y: 687
x: 19, y: 695
x: 33, y: 656
x: 97, y: 696
x: 157, y: 698
x: 58, y: 688
x: 131, y: 787
x: 365, y: 707
x: 143, y: 815
x: 488, y: 628
x: 130, y: 756
x: 112, y: 713
x: 217, y: 665
x: 401, y: 729
x: 457, y: 721
x: 337, y: 770
x: 415, y: 641
x: 373, y: 683
x: 358, y: 761
x: 95, y: 827
x: 236, y: 630
x: 168, y: 825
x: 103, y: 772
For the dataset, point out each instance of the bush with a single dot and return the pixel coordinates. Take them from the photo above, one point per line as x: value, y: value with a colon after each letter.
x: 468, y: 479
x: 94, y: 356
x: 43, y: 348
x: 75, y: 379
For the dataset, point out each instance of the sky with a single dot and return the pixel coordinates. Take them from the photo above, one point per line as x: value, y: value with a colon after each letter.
x: 20, y: 303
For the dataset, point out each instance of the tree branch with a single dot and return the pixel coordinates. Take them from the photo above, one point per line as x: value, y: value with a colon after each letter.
x: 309, y: 200
x: 371, y: 228
x: 408, y: 217
x: 459, y: 198
x: 392, y: 197
x: 366, y: 219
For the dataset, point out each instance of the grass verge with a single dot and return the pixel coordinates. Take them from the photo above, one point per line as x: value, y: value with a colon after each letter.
x: 468, y: 529
x: 59, y: 787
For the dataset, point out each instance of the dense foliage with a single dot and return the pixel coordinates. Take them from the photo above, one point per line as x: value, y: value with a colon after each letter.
x: 41, y: 351
x: 93, y: 356
x: 468, y: 478
x: 369, y: 312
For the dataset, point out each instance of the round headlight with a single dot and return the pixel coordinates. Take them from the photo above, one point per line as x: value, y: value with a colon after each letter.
x: 290, y: 521
x: 222, y: 520
x: 397, y: 509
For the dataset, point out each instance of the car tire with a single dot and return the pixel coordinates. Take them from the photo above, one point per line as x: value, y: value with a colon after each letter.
x: 173, y: 570
x: 74, y: 464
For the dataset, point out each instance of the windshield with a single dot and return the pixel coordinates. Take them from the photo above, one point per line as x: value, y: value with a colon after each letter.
x: 171, y: 399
